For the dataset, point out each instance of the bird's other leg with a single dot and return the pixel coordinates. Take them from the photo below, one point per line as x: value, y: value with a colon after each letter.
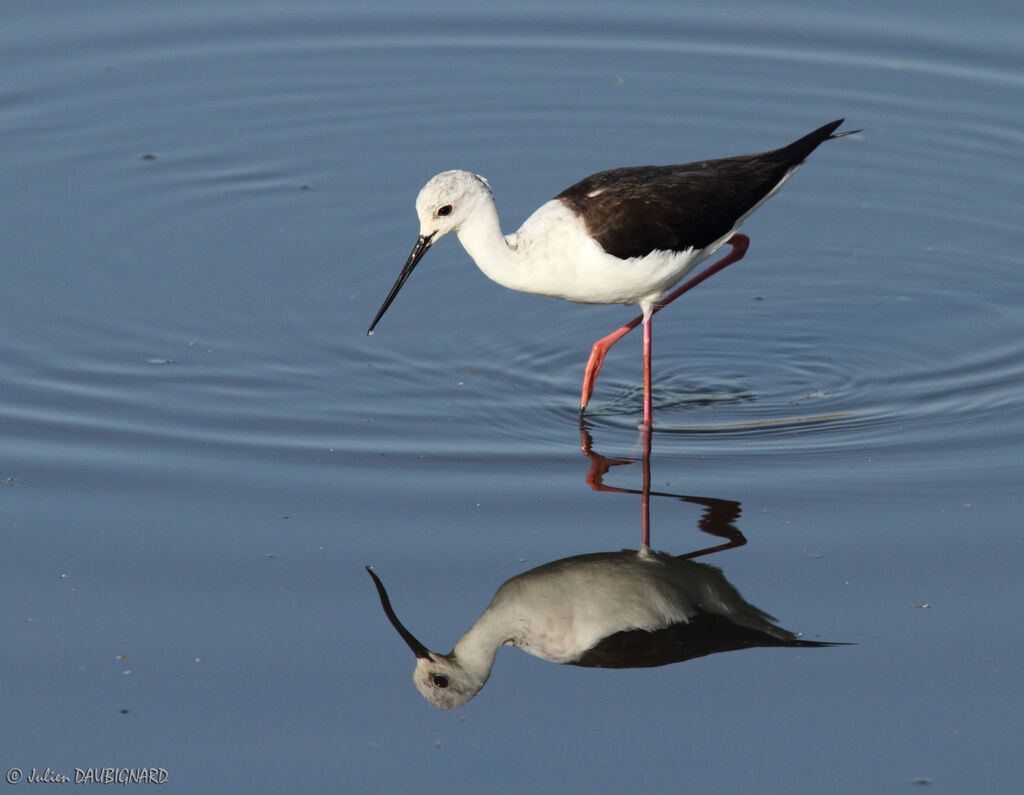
x: 597, y: 359
x: 739, y: 245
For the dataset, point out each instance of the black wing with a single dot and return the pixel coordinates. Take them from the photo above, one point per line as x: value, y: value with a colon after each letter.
x: 633, y: 211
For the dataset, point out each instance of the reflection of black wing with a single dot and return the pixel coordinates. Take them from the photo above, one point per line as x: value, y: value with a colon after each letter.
x: 705, y: 634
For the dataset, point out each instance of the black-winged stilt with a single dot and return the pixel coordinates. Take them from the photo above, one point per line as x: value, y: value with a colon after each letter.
x: 624, y: 236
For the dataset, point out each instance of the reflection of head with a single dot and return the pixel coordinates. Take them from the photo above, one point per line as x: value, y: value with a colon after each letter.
x: 445, y: 683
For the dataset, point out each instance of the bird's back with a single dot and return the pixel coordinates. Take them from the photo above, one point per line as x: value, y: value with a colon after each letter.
x: 633, y: 211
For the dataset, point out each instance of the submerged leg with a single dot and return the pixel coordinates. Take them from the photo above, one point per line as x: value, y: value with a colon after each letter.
x: 739, y: 245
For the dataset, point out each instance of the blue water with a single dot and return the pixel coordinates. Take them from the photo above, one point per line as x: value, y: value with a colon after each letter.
x: 203, y: 205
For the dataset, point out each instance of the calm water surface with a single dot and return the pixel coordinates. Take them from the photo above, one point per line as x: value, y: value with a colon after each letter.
x: 203, y: 205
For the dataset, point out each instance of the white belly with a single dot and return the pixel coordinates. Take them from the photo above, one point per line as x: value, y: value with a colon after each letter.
x: 552, y: 254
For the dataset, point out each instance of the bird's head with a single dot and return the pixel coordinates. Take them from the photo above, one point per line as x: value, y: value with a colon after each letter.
x: 448, y: 200
x: 443, y: 205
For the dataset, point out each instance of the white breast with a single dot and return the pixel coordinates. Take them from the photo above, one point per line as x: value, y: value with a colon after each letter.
x: 556, y: 256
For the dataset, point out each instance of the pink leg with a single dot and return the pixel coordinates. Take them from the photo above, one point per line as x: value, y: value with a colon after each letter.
x: 739, y: 245
x: 648, y: 413
x: 597, y: 359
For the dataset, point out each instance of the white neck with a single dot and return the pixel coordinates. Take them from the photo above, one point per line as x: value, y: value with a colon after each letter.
x: 481, y: 236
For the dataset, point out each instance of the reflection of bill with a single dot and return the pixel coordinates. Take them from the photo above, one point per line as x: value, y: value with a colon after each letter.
x: 628, y: 609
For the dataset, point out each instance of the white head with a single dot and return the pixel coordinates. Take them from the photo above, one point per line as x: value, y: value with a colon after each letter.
x: 443, y: 205
x: 448, y: 200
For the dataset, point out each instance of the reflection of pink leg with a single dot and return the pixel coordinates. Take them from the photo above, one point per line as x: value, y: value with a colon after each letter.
x: 739, y: 245
x: 719, y: 517
x: 645, y: 495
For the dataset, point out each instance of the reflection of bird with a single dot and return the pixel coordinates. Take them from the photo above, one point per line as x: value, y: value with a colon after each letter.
x: 609, y: 609
x: 623, y: 236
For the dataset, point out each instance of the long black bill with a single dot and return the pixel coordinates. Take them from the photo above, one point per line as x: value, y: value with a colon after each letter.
x: 417, y: 254
x: 418, y: 648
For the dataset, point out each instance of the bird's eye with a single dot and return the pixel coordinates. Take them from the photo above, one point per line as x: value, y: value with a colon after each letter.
x: 439, y: 681
x: 446, y: 210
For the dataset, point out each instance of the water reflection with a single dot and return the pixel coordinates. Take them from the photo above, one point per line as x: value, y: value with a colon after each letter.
x: 719, y: 517
x: 627, y: 609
